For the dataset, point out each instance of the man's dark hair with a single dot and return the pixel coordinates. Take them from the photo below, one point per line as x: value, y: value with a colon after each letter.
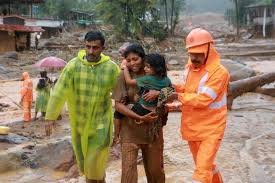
x: 135, y: 48
x: 43, y: 74
x: 158, y: 64
x: 41, y: 83
x: 95, y: 35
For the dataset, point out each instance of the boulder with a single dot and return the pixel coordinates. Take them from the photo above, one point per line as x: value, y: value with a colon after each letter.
x: 11, y: 54
x: 238, y: 70
x: 13, y: 139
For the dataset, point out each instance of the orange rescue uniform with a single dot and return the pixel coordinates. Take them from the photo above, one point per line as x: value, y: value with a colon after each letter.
x: 203, y: 95
x: 26, y: 96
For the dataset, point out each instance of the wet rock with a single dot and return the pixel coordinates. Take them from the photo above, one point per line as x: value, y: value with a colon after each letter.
x: 24, y: 156
x: 3, y: 69
x: 258, y: 153
x: 12, y: 55
x: 30, y: 162
x: 9, y: 161
x: 13, y: 139
x: 173, y: 62
x: 57, y: 155
x: 238, y: 70
x: 34, y: 165
x: 4, y: 105
x: 73, y: 172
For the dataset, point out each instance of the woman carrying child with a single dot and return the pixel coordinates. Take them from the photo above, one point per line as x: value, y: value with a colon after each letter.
x: 135, y: 127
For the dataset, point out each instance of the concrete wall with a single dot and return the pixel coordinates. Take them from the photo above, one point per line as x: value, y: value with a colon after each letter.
x: 7, y: 42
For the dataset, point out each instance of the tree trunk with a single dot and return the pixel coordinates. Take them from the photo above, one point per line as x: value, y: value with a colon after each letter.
x: 166, y: 14
x: 237, y: 18
x: 172, y: 16
x: 237, y: 88
x: 127, y: 18
x: 264, y: 23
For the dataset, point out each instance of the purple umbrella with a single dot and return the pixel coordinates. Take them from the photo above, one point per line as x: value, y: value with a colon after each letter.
x: 51, y: 63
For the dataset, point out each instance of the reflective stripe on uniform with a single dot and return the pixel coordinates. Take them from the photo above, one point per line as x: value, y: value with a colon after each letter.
x: 202, y: 82
x: 219, y: 104
x: 209, y: 91
x: 206, y: 90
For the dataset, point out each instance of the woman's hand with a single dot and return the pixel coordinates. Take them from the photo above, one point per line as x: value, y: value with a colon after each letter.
x: 151, y: 95
x: 123, y: 64
x: 148, y: 118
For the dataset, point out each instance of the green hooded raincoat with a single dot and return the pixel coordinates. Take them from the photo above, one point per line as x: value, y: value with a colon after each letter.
x: 86, y: 87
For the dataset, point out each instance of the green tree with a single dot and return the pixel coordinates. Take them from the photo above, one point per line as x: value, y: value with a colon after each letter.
x: 129, y: 17
x: 64, y: 7
x: 136, y: 18
x: 170, y: 12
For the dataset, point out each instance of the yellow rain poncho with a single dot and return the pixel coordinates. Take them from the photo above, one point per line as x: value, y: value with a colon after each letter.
x: 86, y: 87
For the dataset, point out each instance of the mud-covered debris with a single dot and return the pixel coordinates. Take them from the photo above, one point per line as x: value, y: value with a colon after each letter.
x: 13, y: 139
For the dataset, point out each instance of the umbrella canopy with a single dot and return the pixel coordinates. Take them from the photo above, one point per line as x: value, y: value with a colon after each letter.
x: 51, y: 63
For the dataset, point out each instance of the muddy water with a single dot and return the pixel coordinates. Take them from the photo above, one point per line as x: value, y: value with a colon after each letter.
x: 43, y: 175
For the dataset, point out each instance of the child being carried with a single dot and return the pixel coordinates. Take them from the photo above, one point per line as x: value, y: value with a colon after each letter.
x: 155, y: 79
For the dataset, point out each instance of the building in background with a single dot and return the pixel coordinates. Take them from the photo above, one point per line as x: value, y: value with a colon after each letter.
x: 15, y: 35
x: 260, y: 17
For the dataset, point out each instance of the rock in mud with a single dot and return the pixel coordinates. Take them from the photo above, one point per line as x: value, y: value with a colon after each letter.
x: 13, y: 139
x: 11, y: 54
x: 238, y: 70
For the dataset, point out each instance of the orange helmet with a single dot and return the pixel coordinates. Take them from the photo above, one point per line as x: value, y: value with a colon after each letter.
x: 198, y: 37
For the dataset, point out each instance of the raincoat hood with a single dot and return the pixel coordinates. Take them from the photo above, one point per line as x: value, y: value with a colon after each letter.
x: 82, y: 57
x: 25, y: 75
x: 213, y: 59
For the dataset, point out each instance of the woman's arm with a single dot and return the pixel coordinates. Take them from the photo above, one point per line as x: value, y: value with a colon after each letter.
x: 151, y: 117
x: 127, y: 76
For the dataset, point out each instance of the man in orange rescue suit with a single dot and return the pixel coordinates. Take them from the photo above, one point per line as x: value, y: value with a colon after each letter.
x: 203, y: 97
x: 26, y: 96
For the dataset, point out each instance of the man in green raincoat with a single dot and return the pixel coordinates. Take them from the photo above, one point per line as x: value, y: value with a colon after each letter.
x: 86, y: 83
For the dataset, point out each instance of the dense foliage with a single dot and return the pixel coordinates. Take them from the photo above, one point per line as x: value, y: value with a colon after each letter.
x: 129, y: 18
